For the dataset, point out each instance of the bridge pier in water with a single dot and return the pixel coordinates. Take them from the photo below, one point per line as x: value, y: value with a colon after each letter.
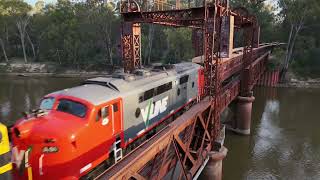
x: 243, y: 115
x: 213, y: 168
x: 238, y: 115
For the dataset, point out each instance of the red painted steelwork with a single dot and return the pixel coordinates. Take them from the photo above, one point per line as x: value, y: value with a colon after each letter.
x: 269, y: 78
x: 184, y: 144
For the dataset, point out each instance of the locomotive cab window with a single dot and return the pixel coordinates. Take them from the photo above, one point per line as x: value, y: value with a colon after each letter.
x: 105, y: 112
x: 184, y: 79
x: 47, y: 103
x: 105, y: 115
x: 115, y: 107
x: 164, y: 88
x: 72, y: 107
x: 148, y: 94
x: 154, y: 92
x: 98, y: 116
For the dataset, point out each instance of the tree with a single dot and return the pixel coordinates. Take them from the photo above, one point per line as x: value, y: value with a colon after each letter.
x: 108, y: 26
x: 180, y: 45
x: 22, y: 24
x: 13, y: 12
x: 295, y: 14
x: 3, y: 34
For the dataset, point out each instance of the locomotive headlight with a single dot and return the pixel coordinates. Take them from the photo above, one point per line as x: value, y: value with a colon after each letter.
x: 50, y: 149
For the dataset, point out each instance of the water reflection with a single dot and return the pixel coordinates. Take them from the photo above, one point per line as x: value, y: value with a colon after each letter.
x: 18, y: 94
x: 284, y: 143
x: 268, y: 132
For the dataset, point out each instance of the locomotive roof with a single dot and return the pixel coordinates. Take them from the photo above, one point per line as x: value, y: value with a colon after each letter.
x: 101, y: 89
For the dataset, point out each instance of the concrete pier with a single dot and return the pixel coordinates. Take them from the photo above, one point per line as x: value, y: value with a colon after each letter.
x: 243, y: 115
x: 213, y: 168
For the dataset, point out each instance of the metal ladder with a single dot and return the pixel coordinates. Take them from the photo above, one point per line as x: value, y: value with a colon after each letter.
x: 117, y: 152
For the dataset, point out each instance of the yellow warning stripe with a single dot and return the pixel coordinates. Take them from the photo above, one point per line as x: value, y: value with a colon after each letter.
x: 29, y: 173
x: 5, y: 168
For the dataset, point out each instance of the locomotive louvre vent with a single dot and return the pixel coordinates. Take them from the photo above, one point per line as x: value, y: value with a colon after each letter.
x: 142, y: 72
x: 163, y: 67
x: 124, y: 76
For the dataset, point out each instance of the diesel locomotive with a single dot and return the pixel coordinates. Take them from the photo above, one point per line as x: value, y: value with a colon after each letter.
x: 76, y: 129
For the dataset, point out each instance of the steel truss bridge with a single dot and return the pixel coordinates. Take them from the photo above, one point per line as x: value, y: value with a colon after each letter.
x: 183, y: 147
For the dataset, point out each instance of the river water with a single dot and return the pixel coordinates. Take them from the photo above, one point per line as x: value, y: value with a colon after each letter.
x: 284, y: 141
x: 19, y: 94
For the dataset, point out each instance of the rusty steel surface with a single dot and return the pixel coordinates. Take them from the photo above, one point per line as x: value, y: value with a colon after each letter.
x: 182, y: 145
x: 180, y: 149
x: 192, y: 17
x: 234, y: 64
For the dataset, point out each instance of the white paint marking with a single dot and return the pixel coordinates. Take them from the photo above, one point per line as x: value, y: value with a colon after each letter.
x: 140, y: 132
x: 17, y: 156
x: 40, y: 164
x: 85, y: 168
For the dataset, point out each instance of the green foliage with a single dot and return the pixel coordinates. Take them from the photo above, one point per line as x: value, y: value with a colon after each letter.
x: 83, y: 34
x: 265, y: 16
x: 306, y: 55
x: 180, y: 45
x: 71, y: 34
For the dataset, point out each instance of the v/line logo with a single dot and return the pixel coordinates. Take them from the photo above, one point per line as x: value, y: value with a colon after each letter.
x: 19, y: 155
x: 154, y: 109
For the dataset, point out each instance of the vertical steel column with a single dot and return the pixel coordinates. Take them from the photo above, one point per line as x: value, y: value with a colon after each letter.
x: 212, y: 40
x: 197, y: 41
x: 136, y: 31
x: 126, y: 45
x: 227, y: 35
x: 217, y: 75
x: 131, y: 46
x: 247, y: 60
x: 209, y: 64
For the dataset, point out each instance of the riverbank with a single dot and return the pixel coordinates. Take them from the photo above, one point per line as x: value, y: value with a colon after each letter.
x: 52, y: 70
x: 295, y: 81
x: 59, y: 75
x: 311, y: 83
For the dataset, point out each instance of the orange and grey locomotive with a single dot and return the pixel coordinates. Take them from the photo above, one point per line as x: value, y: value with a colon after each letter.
x: 74, y: 130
